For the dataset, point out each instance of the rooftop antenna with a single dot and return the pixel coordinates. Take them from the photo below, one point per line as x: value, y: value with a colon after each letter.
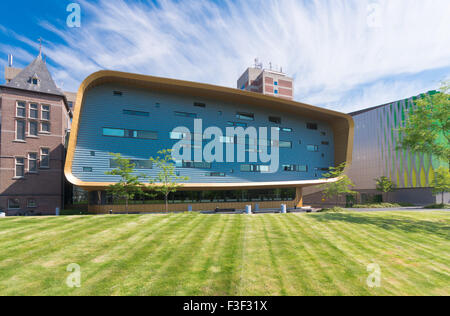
x: 10, y: 60
x: 270, y: 65
x: 258, y: 65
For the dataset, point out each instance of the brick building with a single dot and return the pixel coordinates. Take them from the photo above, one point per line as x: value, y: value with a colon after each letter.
x: 267, y: 81
x: 34, y: 121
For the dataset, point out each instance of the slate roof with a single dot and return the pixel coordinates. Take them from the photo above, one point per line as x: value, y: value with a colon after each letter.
x: 37, y: 69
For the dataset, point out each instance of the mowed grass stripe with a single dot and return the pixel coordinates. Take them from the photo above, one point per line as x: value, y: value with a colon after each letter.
x: 338, y: 266
x: 378, y: 244
x: 193, y: 254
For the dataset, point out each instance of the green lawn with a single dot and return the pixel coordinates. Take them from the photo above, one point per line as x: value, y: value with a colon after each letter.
x: 193, y: 254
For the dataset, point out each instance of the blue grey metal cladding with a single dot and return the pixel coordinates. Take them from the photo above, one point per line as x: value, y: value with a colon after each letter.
x: 104, y: 108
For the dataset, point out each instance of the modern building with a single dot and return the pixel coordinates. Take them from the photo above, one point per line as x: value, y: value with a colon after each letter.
x: 376, y: 153
x: 34, y: 120
x: 135, y: 115
x: 267, y: 81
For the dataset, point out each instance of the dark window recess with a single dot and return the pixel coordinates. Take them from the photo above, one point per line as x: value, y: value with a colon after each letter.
x: 323, y: 133
x: 136, y: 113
x: 200, y: 105
x: 245, y: 116
x: 300, y: 142
x: 87, y: 169
x: 215, y: 174
x: 196, y: 165
x: 313, y: 148
x: 274, y: 119
x: 128, y: 133
x: 297, y: 168
x: 325, y: 143
x: 322, y: 169
x: 92, y: 153
x: 185, y: 114
x: 117, y: 93
x: 311, y: 126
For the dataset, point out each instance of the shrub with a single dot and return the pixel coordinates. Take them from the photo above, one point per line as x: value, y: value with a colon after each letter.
x: 332, y: 210
x: 438, y: 206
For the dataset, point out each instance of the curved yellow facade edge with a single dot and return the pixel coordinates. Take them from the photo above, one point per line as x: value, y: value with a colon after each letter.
x: 343, y: 134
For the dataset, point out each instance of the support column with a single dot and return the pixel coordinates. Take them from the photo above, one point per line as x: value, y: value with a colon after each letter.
x: 299, y: 197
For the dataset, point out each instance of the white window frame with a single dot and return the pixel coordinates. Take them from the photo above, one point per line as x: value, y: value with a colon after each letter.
x: 41, y: 130
x: 37, y: 111
x: 29, y: 128
x: 24, y: 130
x: 35, y: 203
x: 35, y: 160
x: 19, y: 164
x: 24, y: 107
x: 45, y: 111
x: 41, y: 155
x: 10, y: 208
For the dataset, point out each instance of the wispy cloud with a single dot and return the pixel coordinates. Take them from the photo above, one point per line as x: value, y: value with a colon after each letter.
x: 338, y: 61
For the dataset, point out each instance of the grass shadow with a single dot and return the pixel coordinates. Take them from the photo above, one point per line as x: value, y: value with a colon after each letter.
x: 439, y: 229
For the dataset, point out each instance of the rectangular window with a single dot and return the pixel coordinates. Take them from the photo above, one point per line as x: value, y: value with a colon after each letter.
x: 276, y: 92
x: 285, y: 144
x: 237, y: 124
x: 196, y: 165
x: 31, y: 203
x: 245, y: 116
x: 200, y: 105
x: 20, y: 109
x: 129, y: 133
x: 117, y: 93
x: 34, y: 111
x: 325, y: 143
x: 297, y: 168
x: 138, y: 164
x: 45, y: 112
x: 311, y: 126
x: 287, y: 129
x: 323, y: 133
x: 45, y: 158
x: 20, y: 168
x: 87, y: 169
x: 33, y: 128
x: 185, y: 114
x: 20, y: 130
x: 32, y: 162
x: 13, y: 204
x: 313, y: 148
x: 45, y: 127
x: 274, y: 119
x: 136, y: 113
x: 215, y: 174
x: 255, y: 168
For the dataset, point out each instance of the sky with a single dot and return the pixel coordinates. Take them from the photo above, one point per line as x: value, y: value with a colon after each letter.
x: 344, y: 55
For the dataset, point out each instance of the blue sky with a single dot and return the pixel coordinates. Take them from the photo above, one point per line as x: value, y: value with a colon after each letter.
x: 344, y: 55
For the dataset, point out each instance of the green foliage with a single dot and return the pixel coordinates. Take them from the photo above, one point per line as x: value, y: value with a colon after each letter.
x: 384, y: 184
x: 441, y: 182
x: 438, y: 207
x: 339, y: 187
x: 381, y: 205
x: 332, y: 210
x: 129, y: 184
x: 166, y: 181
x: 427, y: 127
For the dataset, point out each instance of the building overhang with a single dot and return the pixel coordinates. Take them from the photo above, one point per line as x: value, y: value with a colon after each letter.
x: 342, y: 124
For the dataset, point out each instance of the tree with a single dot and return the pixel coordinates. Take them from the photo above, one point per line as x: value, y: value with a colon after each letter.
x: 166, y: 181
x: 129, y: 185
x: 385, y: 185
x: 441, y: 182
x: 427, y: 127
x: 341, y: 186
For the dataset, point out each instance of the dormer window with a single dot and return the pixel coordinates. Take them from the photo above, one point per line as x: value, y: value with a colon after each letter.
x: 34, y: 80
